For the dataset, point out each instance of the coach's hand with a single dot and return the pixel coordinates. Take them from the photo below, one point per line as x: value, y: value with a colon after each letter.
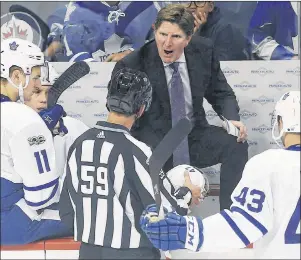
x: 242, y: 130
x: 53, y: 118
x: 173, y: 232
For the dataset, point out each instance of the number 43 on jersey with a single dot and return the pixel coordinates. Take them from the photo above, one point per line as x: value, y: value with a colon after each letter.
x: 292, y: 232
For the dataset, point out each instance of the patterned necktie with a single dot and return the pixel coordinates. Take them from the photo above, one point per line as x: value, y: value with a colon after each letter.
x: 177, y: 102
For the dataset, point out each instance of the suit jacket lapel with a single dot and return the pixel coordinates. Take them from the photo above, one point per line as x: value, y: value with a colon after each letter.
x: 199, y: 73
x: 195, y: 75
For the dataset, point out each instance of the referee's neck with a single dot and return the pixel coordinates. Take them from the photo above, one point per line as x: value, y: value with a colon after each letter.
x: 120, y: 119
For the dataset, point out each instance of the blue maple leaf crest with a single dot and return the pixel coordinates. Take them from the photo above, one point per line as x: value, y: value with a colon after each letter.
x: 13, y: 46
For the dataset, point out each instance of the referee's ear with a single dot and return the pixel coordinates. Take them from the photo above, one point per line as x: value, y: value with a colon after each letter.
x: 140, y: 112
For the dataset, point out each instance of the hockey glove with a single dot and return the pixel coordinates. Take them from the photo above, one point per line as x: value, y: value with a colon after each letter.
x: 173, y: 232
x: 148, y: 215
x: 61, y: 129
x: 53, y: 118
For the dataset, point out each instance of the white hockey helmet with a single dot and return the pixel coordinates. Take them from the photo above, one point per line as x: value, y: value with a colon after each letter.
x: 288, y: 108
x: 21, y: 53
x: 197, y: 177
x: 48, y: 74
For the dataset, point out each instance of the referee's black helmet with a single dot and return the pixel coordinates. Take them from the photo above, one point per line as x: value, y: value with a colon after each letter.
x: 128, y: 90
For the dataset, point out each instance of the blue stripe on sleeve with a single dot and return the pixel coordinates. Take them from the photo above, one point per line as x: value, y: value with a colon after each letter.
x: 255, y: 222
x: 281, y: 53
x: 81, y: 56
x: 37, y: 204
x: 235, y: 228
x: 41, y: 187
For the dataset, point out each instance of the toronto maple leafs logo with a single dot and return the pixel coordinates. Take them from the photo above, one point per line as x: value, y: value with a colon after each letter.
x: 114, y: 16
x: 13, y: 46
x: 48, y: 119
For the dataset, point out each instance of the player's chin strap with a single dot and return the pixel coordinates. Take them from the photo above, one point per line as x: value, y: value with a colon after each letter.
x: 277, y: 138
x: 20, y: 87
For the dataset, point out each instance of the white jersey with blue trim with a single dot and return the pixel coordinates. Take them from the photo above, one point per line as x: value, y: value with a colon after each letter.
x: 62, y: 143
x: 273, y: 30
x: 28, y: 165
x: 265, y: 209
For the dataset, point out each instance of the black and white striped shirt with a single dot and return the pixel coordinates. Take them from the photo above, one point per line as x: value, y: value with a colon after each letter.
x: 107, y: 185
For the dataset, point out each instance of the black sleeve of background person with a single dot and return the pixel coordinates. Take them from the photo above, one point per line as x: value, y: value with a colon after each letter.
x: 219, y: 93
x: 230, y: 44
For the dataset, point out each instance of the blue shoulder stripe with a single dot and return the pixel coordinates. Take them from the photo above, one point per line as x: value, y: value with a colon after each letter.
x: 255, y: 222
x: 41, y: 187
x: 36, y: 204
x: 235, y: 228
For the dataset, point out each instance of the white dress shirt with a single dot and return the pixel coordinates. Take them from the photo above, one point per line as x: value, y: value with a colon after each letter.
x: 185, y: 80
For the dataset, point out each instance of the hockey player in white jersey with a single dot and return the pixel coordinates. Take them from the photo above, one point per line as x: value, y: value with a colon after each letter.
x: 29, y: 180
x: 21, y: 63
x: 20, y: 68
x: 186, y: 175
x: 38, y: 102
x: 266, y: 202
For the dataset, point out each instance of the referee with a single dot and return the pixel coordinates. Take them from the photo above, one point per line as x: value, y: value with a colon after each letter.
x: 107, y: 184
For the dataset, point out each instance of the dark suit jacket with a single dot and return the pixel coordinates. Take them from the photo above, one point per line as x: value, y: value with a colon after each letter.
x: 206, y: 80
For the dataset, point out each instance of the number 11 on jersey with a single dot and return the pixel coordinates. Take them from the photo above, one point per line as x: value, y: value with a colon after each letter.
x: 37, y: 155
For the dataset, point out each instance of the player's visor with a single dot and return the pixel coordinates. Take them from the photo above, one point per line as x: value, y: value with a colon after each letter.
x: 45, y: 79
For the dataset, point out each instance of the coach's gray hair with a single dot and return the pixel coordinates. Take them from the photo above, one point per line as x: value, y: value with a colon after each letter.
x: 177, y: 14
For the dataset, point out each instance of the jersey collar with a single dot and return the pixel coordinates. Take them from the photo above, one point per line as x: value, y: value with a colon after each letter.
x: 111, y: 127
x: 295, y: 147
x: 5, y: 98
